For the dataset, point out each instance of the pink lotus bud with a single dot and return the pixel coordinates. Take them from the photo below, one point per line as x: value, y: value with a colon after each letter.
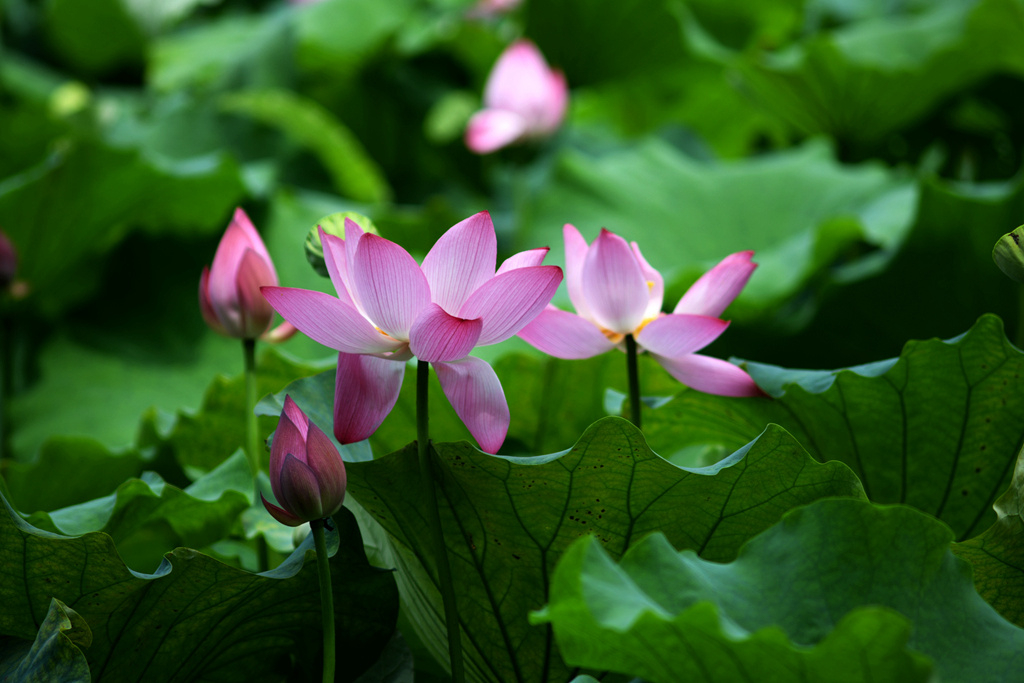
x: 306, y: 473
x: 8, y: 261
x: 487, y: 9
x: 524, y: 100
x: 229, y: 291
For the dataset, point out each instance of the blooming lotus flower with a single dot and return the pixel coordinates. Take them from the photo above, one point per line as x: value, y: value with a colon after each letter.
x: 229, y: 292
x: 524, y: 99
x: 616, y: 292
x: 389, y: 309
x: 306, y: 473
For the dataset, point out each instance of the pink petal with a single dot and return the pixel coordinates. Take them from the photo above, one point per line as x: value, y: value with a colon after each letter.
x: 241, y: 219
x: 521, y: 82
x: 281, y: 515
x: 389, y: 285
x: 239, y: 236
x: 615, y: 287
x: 508, y: 302
x: 678, y: 334
x: 489, y: 130
x: 281, y: 333
x: 328, y: 320
x: 710, y: 375
x: 300, y: 491
x: 205, y: 307
x: 655, y: 284
x: 255, y: 311
x: 565, y: 335
x: 366, y: 388
x: 524, y: 259
x: 555, y: 104
x: 461, y: 261
x: 476, y: 395
x: 438, y: 337
x: 294, y: 413
x: 288, y: 440
x: 716, y: 289
x: 323, y: 458
x: 337, y: 265
x: 576, y: 249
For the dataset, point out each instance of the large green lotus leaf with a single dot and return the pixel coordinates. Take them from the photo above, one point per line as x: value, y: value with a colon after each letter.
x: 798, y: 209
x: 146, y: 517
x: 923, y: 291
x: 249, y: 50
x: 55, y: 655
x: 880, y: 71
x: 507, y: 520
x: 997, y: 555
x: 840, y: 590
x: 311, y: 126
x: 196, y: 618
x: 938, y: 428
x: 67, y: 213
x: 94, y: 35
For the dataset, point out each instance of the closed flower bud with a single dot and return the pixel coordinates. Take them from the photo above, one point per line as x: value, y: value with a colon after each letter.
x: 307, y: 474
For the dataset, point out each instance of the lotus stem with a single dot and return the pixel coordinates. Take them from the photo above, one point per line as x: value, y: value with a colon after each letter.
x: 252, y: 442
x: 444, y: 572
x: 634, y: 381
x: 323, y: 570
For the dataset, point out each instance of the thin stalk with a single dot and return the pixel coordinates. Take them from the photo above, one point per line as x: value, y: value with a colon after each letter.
x: 634, y: 381
x: 323, y: 570
x: 252, y: 442
x: 444, y: 572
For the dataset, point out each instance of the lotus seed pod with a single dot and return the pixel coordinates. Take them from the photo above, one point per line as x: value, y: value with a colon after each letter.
x: 333, y: 224
x: 1009, y: 254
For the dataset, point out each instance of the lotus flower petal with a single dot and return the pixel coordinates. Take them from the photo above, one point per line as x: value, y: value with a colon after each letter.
x: 524, y: 259
x: 366, y: 389
x: 329, y: 321
x: 478, y: 399
x: 508, y: 302
x: 439, y: 337
x: 565, y: 335
x: 462, y: 260
x: 615, y: 287
x: 710, y: 375
x: 678, y: 334
x: 389, y: 285
x: 300, y: 491
x: 717, y: 288
x: 489, y: 130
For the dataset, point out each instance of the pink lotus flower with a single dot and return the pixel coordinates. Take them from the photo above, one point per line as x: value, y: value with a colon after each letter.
x: 389, y: 309
x: 229, y: 292
x: 616, y: 292
x: 8, y: 261
x: 524, y: 99
x: 306, y: 473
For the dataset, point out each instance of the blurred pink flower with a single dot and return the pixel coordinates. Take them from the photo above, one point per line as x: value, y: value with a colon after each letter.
x: 524, y: 99
x: 229, y: 291
x: 307, y: 474
x: 389, y: 309
x: 486, y: 9
x: 616, y: 292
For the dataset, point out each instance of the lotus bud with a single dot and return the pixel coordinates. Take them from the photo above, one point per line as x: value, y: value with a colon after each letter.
x: 333, y: 224
x: 1009, y: 254
x: 229, y: 290
x: 307, y: 474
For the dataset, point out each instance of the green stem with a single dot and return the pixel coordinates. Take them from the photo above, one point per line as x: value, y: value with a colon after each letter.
x: 444, y: 572
x: 323, y: 570
x: 634, y: 381
x: 252, y: 443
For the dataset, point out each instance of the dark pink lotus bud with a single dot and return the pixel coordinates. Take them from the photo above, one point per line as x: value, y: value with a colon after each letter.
x: 307, y: 474
x: 229, y: 291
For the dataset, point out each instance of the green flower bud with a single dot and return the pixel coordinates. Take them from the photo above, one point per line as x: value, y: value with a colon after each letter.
x: 1009, y: 254
x: 333, y: 224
